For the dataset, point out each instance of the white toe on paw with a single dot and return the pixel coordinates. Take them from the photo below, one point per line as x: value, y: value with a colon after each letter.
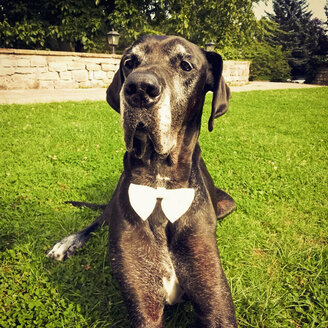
x: 65, y: 247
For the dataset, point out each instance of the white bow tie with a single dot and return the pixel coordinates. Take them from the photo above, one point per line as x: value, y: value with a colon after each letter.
x: 175, y: 202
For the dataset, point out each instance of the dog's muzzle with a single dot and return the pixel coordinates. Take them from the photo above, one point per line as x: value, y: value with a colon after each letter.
x: 146, y: 114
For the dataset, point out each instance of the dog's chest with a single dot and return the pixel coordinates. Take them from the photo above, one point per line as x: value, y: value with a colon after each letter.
x: 160, y: 227
x: 172, y: 288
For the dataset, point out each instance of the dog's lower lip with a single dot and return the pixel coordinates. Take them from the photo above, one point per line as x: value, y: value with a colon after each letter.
x: 140, y: 140
x: 140, y: 135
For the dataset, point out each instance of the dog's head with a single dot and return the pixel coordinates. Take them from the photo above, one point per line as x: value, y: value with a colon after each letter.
x: 160, y: 88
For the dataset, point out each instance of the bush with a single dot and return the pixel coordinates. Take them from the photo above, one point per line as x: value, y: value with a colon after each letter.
x: 314, y: 64
x: 267, y: 62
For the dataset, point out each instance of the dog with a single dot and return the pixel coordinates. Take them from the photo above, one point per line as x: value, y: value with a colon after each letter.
x: 164, y: 211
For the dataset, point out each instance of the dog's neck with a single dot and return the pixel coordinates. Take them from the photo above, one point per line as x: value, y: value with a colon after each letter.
x: 172, y: 171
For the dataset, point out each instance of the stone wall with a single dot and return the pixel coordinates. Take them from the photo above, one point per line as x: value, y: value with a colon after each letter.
x: 33, y: 69
x: 236, y: 72
x: 322, y: 75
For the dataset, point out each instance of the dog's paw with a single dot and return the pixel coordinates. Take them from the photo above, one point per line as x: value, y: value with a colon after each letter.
x: 66, y: 247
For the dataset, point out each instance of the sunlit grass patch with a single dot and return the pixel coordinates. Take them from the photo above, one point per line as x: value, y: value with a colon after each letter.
x: 269, y: 152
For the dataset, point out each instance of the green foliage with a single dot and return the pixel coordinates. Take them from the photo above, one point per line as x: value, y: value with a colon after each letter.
x: 135, y: 18
x: 300, y: 36
x: 25, y: 33
x: 314, y: 64
x: 82, y: 25
x: 57, y: 25
x: 226, y: 22
x: 25, y: 287
x: 269, y: 153
x: 267, y: 63
x: 290, y: 33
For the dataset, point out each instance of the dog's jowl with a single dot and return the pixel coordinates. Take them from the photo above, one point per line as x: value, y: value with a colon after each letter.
x: 163, y: 213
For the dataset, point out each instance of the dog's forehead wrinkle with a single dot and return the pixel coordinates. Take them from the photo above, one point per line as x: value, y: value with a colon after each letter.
x: 138, y: 51
x: 181, y: 50
x: 171, y: 47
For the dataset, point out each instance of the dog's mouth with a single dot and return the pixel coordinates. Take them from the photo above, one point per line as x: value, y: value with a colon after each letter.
x: 144, y: 143
x: 141, y: 140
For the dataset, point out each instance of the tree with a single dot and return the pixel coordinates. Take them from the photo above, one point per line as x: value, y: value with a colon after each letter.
x: 319, y: 40
x: 135, y: 18
x: 56, y: 24
x: 299, y: 35
x: 82, y: 24
x: 268, y: 61
x: 226, y: 22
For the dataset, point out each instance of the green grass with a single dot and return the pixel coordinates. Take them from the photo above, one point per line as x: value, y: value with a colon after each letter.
x: 269, y: 152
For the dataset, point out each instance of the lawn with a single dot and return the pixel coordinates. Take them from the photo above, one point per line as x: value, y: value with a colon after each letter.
x: 269, y: 152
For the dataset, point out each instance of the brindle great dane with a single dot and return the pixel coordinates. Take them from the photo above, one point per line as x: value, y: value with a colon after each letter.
x: 164, y: 211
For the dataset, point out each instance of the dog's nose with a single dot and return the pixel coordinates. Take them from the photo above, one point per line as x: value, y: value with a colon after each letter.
x: 142, y: 89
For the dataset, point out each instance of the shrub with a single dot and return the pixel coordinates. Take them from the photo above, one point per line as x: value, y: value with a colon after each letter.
x: 314, y: 64
x: 267, y: 62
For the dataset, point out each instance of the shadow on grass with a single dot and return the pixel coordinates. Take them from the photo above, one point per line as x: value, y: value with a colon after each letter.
x: 7, y: 240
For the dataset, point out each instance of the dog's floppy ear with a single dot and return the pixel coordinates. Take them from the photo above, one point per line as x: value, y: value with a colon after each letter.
x: 114, y: 89
x: 215, y: 82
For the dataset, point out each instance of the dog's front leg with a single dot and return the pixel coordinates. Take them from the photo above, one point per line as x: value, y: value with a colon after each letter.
x: 204, y: 282
x: 135, y: 264
x: 146, y: 312
x: 70, y: 244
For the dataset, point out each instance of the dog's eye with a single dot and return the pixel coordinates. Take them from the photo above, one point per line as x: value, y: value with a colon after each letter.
x: 186, y: 66
x: 130, y: 63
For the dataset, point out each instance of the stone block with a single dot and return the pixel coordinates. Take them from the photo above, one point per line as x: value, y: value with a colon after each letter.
x: 40, y: 69
x: 93, y: 60
x: 25, y: 70
x: 32, y: 83
x: 16, y: 81
x: 99, y: 75
x: 112, y: 61
x: 110, y: 75
x: 98, y: 84
x: 46, y: 84
x: 93, y: 67
x: 75, y: 66
x: 57, y: 67
x: 90, y: 75
x: 48, y: 76
x: 23, y: 62
x: 108, y: 67
x: 85, y: 84
x: 65, y: 85
x: 80, y: 75
x: 5, y: 62
x: 38, y: 61
x: 3, y: 84
x: 6, y: 71
x: 6, y: 83
x: 65, y: 75
x: 19, y: 81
